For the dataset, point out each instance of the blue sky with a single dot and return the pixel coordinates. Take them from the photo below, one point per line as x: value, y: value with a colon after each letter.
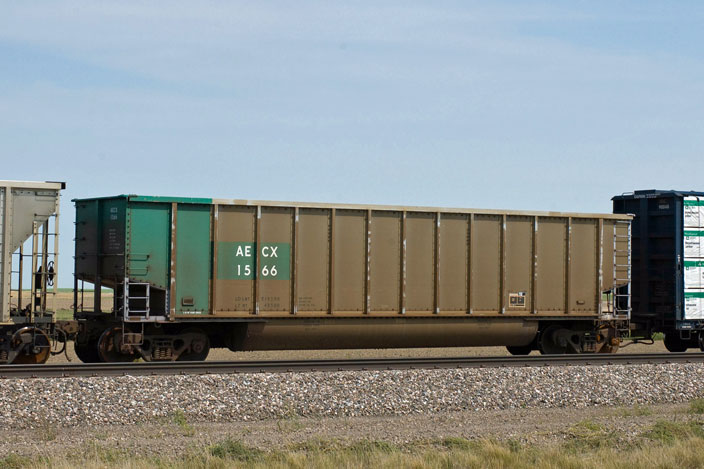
x: 520, y: 105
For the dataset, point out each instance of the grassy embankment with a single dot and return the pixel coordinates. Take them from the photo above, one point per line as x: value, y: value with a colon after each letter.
x: 677, y: 443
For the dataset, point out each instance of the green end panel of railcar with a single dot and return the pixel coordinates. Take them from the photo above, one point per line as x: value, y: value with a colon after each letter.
x: 100, y: 228
x: 133, y: 236
x: 149, y: 243
x: 87, y: 239
x: 193, y: 259
x: 112, y: 227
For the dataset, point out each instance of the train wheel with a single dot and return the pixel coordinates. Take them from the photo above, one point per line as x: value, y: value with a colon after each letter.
x: 673, y: 343
x: 519, y: 349
x: 550, y: 342
x: 86, y: 352
x: 199, y: 348
x: 37, y: 346
x: 109, y: 346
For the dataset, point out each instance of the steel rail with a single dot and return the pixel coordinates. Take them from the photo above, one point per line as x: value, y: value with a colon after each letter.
x: 279, y: 366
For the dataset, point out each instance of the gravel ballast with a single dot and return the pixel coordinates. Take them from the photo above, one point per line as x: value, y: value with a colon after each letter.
x: 29, y: 403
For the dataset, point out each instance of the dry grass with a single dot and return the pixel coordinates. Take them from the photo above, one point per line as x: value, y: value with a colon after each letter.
x: 667, y: 444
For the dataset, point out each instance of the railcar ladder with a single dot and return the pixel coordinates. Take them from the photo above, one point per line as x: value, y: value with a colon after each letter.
x: 621, y: 298
x: 135, y: 305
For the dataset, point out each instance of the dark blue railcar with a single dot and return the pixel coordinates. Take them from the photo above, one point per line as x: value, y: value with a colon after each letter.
x: 667, y: 264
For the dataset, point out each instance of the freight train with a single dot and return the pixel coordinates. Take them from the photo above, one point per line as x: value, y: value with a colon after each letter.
x: 188, y: 274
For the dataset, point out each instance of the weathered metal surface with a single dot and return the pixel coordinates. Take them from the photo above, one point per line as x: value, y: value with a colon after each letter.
x: 276, y: 260
x: 193, y: 260
x: 377, y: 332
x: 147, y: 250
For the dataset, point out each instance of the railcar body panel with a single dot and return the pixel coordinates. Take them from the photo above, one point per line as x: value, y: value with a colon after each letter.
x: 175, y: 259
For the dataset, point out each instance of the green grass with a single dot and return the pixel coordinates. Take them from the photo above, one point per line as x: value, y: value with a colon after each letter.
x: 235, y: 450
x: 669, y: 432
x: 656, y: 336
x: 587, y: 435
x: 14, y: 461
x: 64, y: 315
x: 179, y: 418
x: 696, y: 406
x: 453, y: 442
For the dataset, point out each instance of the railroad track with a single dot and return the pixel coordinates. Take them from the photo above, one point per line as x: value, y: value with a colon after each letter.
x: 282, y: 366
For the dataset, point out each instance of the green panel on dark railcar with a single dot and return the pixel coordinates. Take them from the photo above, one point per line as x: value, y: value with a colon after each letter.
x: 149, y: 243
x: 112, y: 228
x: 100, y: 228
x: 193, y: 259
x: 86, y: 238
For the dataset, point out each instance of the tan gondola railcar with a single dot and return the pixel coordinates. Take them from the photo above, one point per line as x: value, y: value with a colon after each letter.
x: 278, y: 275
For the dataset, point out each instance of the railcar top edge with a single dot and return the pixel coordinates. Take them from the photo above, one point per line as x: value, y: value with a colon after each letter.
x: 322, y: 205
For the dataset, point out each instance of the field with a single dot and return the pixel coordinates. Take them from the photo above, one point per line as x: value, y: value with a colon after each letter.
x: 63, y: 302
x: 626, y: 437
